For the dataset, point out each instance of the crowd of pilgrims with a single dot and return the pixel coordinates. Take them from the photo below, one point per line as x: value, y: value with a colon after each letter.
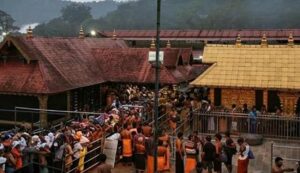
x: 67, y: 147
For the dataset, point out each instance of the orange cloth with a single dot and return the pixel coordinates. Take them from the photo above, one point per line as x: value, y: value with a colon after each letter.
x: 17, y: 155
x: 161, y: 160
x: 190, y: 164
x: 127, y: 148
x: 242, y: 166
x: 150, y: 164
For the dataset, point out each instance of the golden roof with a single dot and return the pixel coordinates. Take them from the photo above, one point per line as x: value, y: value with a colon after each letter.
x: 251, y: 66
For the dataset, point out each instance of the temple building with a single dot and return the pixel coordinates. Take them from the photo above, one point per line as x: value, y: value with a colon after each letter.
x: 68, y: 73
x: 197, y: 38
x: 253, y: 74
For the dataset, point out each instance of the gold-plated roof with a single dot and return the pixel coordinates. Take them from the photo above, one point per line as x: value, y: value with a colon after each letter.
x: 251, y: 66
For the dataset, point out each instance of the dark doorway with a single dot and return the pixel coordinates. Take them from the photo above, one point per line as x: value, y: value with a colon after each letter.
x: 218, y: 97
x: 180, y: 61
x: 259, y: 99
x: 298, y: 108
x: 57, y: 102
x: 273, y: 101
x: 8, y: 104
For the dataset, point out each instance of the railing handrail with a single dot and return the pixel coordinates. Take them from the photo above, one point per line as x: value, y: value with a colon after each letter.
x: 61, y: 111
x: 243, y: 115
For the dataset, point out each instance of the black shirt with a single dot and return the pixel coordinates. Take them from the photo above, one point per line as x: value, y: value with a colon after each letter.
x: 210, y: 152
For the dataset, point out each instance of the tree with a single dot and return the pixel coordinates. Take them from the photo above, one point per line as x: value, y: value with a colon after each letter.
x: 68, y: 24
x: 7, y: 23
x: 76, y: 13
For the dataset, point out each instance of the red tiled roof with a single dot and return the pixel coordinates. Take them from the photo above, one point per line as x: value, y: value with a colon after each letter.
x: 131, y: 65
x: 25, y: 78
x: 57, y: 64
x: 61, y: 64
x: 226, y: 34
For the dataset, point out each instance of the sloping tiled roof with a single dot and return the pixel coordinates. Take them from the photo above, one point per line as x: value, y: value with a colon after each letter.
x: 61, y: 64
x: 210, y: 35
x: 132, y: 65
x: 251, y: 66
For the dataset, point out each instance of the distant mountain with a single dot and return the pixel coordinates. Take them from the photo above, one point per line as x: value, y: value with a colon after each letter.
x: 40, y: 11
x: 205, y: 14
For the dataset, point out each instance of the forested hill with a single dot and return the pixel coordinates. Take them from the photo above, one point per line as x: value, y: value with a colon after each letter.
x: 65, y: 18
x: 212, y: 14
x: 39, y: 11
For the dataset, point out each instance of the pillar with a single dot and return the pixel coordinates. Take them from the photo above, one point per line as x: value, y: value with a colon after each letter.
x: 43, y: 104
x: 289, y: 102
x: 211, y: 96
x: 265, y: 98
x: 68, y: 115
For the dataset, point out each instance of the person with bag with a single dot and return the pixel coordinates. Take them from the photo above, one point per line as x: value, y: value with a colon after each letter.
x: 244, y: 155
x: 243, y: 160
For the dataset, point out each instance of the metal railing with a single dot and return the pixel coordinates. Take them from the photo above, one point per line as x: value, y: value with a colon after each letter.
x: 291, y: 154
x: 90, y: 158
x: 267, y: 125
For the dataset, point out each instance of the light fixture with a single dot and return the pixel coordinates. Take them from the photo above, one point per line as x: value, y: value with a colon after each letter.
x: 93, y: 33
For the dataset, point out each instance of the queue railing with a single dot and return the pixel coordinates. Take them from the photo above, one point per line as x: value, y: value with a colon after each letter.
x: 290, y: 155
x: 280, y: 127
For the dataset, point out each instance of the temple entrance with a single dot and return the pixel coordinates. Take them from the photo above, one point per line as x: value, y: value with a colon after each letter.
x: 273, y: 101
x: 8, y: 104
x: 87, y: 98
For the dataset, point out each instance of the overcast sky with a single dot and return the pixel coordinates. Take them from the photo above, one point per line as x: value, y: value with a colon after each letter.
x: 96, y: 0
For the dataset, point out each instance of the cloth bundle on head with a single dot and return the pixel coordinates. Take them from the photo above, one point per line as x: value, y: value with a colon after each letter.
x: 2, y: 160
x: 26, y: 134
x: 115, y: 110
x: 23, y: 143
x: 42, y: 145
x: 49, y: 139
x: 84, y: 140
x: 15, y: 144
x: 35, y: 139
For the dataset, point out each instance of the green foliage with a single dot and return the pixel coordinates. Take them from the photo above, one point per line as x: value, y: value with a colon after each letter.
x: 179, y: 14
x: 206, y: 14
x: 6, y: 23
x: 76, y: 13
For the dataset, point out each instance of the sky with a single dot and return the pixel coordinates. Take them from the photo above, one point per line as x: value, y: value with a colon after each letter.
x: 96, y: 0
x: 23, y: 29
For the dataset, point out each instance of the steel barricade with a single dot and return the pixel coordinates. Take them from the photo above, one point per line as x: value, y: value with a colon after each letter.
x: 266, y: 125
x: 289, y: 154
x: 90, y: 158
